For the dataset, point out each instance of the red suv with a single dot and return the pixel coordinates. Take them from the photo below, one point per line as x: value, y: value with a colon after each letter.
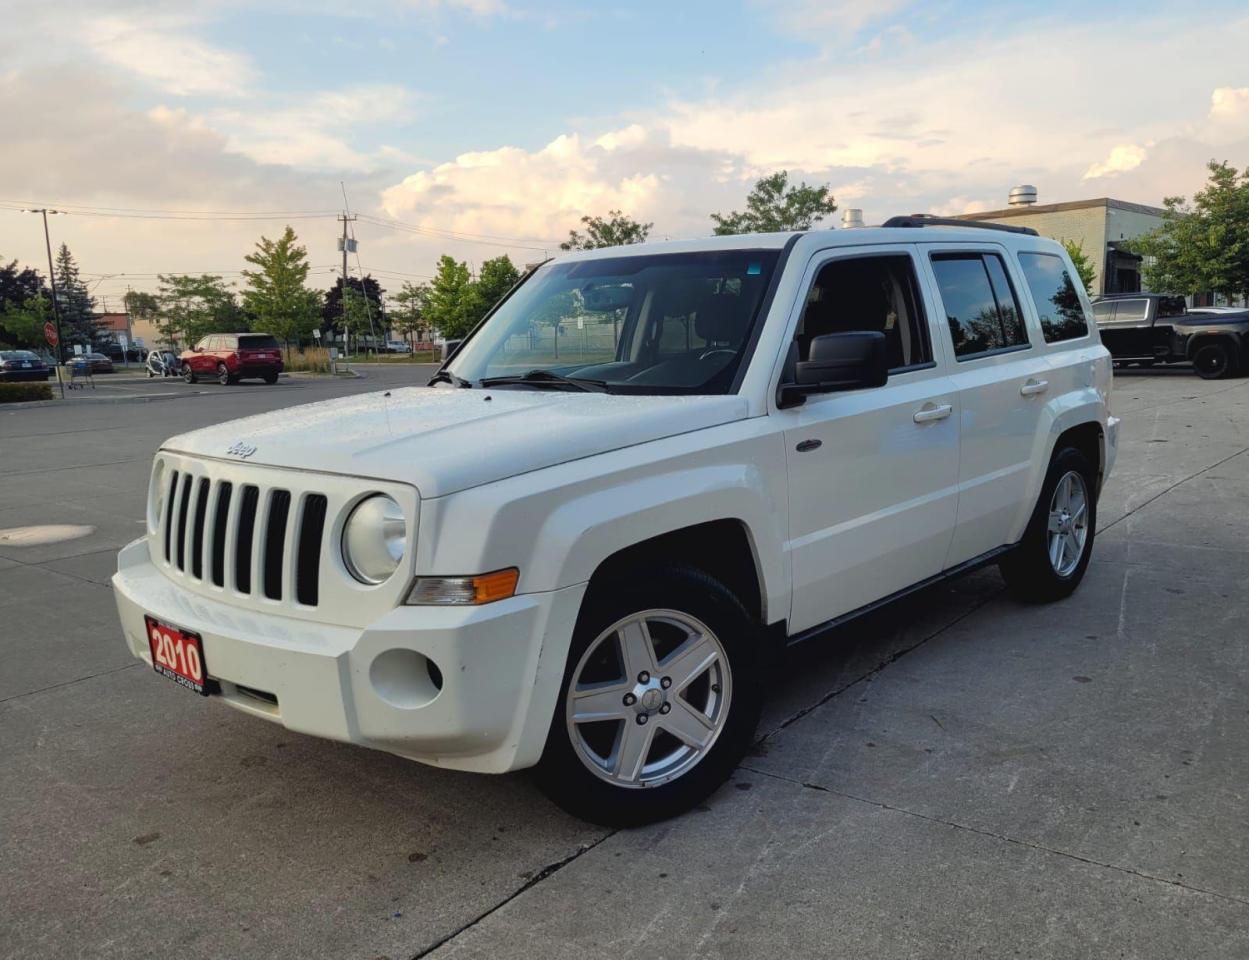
x: 229, y: 357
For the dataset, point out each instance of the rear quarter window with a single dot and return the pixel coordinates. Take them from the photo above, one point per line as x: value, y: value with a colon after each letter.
x: 1057, y: 300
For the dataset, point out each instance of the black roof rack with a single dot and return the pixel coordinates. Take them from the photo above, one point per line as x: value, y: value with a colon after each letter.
x: 926, y: 220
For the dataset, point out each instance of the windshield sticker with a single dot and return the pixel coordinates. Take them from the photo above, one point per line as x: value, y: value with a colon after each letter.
x: 754, y: 269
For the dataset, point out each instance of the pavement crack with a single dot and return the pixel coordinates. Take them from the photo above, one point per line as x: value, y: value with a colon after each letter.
x: 893, y: 658
x: 1177, y: 483
x: 1005, y: 838
x: 548, y: 871
x: 70, y: 683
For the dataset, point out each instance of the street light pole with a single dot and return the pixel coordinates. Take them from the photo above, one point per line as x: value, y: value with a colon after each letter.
x: 56, y: 308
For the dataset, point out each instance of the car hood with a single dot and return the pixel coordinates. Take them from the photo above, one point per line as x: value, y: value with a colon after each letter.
x: 448, y: 439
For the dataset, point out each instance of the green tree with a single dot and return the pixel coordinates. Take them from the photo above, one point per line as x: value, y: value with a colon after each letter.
x: 76, y: 304
x: 1080, y: 260
x: 332, y: 311
x: 19, y: 289
x: 358, y: 318
x: 1202, y: 246
x: 21, y: 324
x: 144, y: 307
x: 613, y: 231
x: 275, y: 295
x: 494, y: 280
x: 772, y: 206
x: 194, y: 306
x: 454, y: 301
x: 408, y: 311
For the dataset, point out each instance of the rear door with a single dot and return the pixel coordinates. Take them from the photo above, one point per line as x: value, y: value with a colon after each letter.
x: 872, y: 472
x: 1126, y: 331
x: 999, y: 375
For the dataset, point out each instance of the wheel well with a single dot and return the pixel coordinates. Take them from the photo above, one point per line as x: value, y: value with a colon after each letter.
x: 720, y: 548
x: 1199, y: 340
x: 1087, y: 438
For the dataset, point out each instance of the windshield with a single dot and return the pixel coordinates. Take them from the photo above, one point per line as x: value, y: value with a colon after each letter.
x: 659, y: 323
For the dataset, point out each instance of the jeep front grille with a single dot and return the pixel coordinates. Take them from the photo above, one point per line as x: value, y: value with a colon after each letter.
x: 259, y: 540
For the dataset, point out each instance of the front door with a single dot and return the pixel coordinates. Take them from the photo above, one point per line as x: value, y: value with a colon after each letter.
x: 872, y: 473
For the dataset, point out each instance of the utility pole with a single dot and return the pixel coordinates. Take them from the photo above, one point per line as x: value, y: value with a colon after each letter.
x: 56, y: 308
x: 345, y: 245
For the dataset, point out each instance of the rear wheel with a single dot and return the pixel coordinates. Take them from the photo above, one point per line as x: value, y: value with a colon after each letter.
x: 660, y: 698
x: 1050, y: 561
x: 1214, y: 360
x: 271, y: 378
x: 187, y: 373
x: 223, y: 374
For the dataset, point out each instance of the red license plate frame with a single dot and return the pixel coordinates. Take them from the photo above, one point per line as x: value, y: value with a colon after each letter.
x: 178, y: 654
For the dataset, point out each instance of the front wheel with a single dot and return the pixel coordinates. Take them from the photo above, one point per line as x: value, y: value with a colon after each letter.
x: 660, y: 698
x: 1050, y: 561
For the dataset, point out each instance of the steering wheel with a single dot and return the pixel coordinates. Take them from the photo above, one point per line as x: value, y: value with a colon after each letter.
x: 713, y: 352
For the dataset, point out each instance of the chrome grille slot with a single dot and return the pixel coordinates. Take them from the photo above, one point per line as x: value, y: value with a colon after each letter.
x: 311, y: 530
x: 197, y: 529
x: 221, y: 516
x: 243, y: 543
x: 184, y: 504
x: 275, y: 535
x: 170, y: 496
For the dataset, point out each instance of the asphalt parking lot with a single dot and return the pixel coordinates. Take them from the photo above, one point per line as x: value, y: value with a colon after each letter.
x: 961, y: 775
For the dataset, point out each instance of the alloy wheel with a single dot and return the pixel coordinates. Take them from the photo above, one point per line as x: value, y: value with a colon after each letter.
x: 649, y: 698
x: 1068, y: 523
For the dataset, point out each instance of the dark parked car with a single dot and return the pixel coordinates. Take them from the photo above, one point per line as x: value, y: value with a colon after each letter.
x: 114, y: 352
x: 22, y: 365
x: 98, y: 362
x: 229, y: 357
x: 1150, y: 328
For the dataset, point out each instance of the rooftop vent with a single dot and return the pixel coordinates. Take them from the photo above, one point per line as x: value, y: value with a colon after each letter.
x: 1023, y: 195
x: 852, y: 217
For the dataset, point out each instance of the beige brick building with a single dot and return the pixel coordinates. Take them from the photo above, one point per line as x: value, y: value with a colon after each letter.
x: 1100, y: 226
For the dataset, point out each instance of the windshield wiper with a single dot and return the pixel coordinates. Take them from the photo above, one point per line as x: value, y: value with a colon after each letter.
x: 446, y: 376
x: 538, y: 378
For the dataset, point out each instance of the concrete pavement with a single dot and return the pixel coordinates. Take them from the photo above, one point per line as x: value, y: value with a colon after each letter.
x: 960, y: 775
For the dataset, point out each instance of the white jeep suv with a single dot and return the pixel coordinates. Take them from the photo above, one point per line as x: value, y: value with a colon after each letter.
x: 646, y: 470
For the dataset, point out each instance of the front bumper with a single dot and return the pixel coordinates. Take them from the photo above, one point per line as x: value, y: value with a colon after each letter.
x: 500, y: 667
x: 1112, y: 446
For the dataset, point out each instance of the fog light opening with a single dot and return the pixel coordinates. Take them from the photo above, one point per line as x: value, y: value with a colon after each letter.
x: 404, y: 678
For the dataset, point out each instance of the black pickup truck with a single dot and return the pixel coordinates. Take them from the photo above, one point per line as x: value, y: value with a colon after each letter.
x: 1149, y: 328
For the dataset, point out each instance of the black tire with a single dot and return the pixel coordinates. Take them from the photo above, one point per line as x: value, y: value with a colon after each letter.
x: 271, y: 378
x: 1214, y: 360
x: 223, y: 374
x: 187, y: 373
x: 1027, y: 570
x: 569, y: 782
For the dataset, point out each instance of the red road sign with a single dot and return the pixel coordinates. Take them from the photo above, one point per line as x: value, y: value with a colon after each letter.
x: 49, y: 334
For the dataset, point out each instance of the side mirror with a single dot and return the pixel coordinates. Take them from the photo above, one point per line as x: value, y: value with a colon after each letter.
x: 837, y: 361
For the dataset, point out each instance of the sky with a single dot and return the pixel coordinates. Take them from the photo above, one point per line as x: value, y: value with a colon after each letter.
x: 176, y: 134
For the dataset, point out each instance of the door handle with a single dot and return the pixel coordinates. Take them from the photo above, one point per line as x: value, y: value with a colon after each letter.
x: 930, y: 412
x: 1032, y: 387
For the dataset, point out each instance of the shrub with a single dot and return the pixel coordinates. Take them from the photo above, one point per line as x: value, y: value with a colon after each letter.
x: 18, y: 392
x: 311, y: 360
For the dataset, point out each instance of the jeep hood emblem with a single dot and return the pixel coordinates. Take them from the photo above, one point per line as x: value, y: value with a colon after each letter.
x: 241, y: 449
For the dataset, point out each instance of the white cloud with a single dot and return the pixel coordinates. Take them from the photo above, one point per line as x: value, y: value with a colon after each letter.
x: 173, y: 61
x: 1122, y: 158
x: 1230, y: 103
x: 827, y: 22
x: 515, y: 192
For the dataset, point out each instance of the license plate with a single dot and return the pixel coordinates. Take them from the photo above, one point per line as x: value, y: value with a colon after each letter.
x: 177, y: 654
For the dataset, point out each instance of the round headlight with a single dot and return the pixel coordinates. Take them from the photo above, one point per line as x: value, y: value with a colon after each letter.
x: 373, y: 539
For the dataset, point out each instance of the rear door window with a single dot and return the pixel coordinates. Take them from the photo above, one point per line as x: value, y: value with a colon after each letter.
x: 980, y: 305
x: 1057, y: 301
x: 1104, y: 311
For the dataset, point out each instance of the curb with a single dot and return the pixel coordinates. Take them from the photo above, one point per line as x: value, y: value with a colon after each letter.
x: 161, y: 398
